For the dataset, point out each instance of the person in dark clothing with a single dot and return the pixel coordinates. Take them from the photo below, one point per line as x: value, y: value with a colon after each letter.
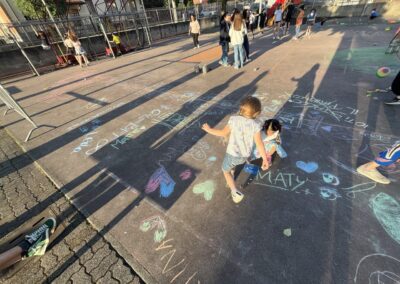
x: 44, y: 40
x: 374, y: 14
x: 395, y: 90
x: 289, y: 15
x: 224, y: 38
x: 262, y: 19
x: 246, y: 43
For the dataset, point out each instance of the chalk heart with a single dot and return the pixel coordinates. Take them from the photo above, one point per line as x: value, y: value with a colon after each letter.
x: 206, y: 189
x: 308, y: 167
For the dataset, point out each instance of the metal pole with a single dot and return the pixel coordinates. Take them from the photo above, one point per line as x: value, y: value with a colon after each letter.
x: 259, y: 14
x: 52, y: 19
x: 105, y: 36
x: 147, y: 24
x: 23, y: 51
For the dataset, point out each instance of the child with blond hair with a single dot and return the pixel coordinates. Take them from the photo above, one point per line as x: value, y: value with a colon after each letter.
x: 243, y: 130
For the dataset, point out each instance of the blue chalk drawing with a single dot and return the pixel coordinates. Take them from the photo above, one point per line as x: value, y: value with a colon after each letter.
x: 308, y: 167
x: 161, y: 178
x: 327, y: 128
x: 328, y: 193
x: 251, y: 169
x: 387, y: 211
x: 330, y: 179
x: 212, y: 159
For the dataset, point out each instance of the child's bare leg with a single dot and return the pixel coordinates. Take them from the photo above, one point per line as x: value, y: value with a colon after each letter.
x: 79, y: 59
x: 230, y: 181
x: 86, y: 60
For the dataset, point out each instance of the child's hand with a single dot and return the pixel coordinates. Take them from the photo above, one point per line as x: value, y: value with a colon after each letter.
x: 265, y: 165
x: 206, y: 127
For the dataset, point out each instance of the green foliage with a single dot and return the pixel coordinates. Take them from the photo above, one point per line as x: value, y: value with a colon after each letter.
x: 34, y: 9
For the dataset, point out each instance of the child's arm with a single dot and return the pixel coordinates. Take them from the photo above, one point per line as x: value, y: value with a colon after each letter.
x: 217, y: 132
x: 261, y: 150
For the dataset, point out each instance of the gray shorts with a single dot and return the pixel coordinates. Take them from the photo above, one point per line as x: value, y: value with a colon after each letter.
x: 230, y: 162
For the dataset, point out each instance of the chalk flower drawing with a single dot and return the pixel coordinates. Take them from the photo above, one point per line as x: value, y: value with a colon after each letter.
x: 387, y: 211
x: 155, y: 222
x: 161, y: 178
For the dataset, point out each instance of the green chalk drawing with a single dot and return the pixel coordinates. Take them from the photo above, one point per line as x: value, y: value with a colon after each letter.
x: 365, y: 60
x: 155, y: 222
x: 206, y: 188
x: 387, y: 211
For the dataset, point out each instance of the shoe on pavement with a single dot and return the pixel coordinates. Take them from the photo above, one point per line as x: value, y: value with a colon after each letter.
x: 39, y: 239
x: 236, y: 68
x: 220, y: 62
x: 198, y: 46
x: 374, y: 174
x: 226, y: 65
x: 395, y: 101
x: 237, y: 196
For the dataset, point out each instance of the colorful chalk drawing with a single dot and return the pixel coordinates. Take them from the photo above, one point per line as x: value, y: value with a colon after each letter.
x: 380, y: 275
x: 328, y: 193
x: 186, y: 174
x: 387, y: 211
x: 330, y: 179
x: 206, y: 189
x: 308, y: 167
x: 161, y: 178
x: 212, y: 158
x: 327, y: 189
x: 157, y: 223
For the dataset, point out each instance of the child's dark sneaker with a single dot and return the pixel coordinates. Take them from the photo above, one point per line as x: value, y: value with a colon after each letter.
x: 40, y: 238
x: 394, y: 102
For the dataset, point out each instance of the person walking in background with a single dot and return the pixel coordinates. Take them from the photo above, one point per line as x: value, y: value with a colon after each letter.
x: 277, y: 21
x: 224, y: 38
x: 311, y: 21
x: 236, y: 34
x: 243, y: 130
x: 262, y: 19
x: 194, y: 30
x: 246, y: 44
x: 80, y: 52
x: 252, y: 20
x: 289, y: 15
x: 299, y: 22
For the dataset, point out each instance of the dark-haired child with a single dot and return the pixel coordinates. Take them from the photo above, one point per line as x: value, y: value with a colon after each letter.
x: 272, y: 140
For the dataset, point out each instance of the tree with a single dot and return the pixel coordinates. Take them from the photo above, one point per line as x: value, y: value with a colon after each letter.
x: 34, y: 9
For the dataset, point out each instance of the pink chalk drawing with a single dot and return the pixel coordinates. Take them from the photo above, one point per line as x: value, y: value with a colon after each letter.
x: 186, y: 174
x: 161, y: 178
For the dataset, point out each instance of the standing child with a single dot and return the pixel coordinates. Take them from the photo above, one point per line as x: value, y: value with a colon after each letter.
x: 80, y: 52
x: 236, y: 34
x: 243, y: 131
x: 311, y: 21
x: 194, y: 30
x: 272, y: 140
x: 277, y: 21
x: 299, y: 22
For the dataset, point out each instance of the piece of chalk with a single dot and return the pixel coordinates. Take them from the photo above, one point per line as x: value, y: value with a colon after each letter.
x: 287, y: 232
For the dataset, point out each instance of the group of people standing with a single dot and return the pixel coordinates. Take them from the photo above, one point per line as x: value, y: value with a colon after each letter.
x: 235, y: 27
x: 234, y: 30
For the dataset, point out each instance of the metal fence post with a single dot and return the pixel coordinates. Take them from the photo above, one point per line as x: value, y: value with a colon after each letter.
x: 23, y: 51
x: 105, y: 36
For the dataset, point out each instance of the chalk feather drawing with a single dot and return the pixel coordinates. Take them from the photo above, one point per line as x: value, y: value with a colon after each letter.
x: 308, y: 167
x: 157, y: 223
x: 387, y: 211
x: 206, y: 189
x: 161, y: 178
